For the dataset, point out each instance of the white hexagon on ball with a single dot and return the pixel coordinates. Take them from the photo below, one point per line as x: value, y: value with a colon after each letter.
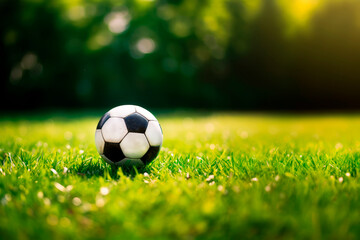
x: 99, y: 141
x: 114, y: 130
x: 134, y: 145
x: 122, y: 111
x: 153, y: 133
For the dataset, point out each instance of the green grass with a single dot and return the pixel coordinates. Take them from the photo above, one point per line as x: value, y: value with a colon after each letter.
x: 217, y: 176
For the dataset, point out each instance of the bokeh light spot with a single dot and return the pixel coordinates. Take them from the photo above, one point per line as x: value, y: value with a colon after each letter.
x: 29, y: 61
x: 117, y: 21
x: 16, y: 74
x: 99, y: 40
x: 76, y: 13
x: 145, y: 45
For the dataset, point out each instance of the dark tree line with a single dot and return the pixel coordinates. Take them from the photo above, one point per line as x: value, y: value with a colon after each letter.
x: 177, y: 54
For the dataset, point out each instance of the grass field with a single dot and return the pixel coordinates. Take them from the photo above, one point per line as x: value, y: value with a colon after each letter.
x: 217, y: 176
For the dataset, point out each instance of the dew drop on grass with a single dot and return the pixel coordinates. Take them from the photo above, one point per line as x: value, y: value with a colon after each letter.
x: 210, y: 178
x: 100, y: 202
x: 76, y: 201
x: 60, y: 187
x: 47, y: 201
x: 6, y: 199
x: 40, y: 195
x: 69, y: 188
x: 104, y: 191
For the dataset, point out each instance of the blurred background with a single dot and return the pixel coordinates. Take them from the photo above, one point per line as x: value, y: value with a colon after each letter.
x: 208, y: 54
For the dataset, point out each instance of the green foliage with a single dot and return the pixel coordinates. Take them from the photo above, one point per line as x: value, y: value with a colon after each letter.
x: 217, y: 54
x: 217, y: 176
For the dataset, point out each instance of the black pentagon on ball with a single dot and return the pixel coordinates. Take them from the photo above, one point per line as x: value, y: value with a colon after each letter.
x: 102, y: 121
x: 113, y: 152
x: 136, y: 123
x: 150, y: 154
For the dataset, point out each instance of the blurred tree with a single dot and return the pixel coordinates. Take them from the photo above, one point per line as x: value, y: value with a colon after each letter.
x: 245, y: 54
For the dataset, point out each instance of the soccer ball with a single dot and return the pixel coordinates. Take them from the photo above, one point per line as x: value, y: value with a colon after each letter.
x: 128, y: 135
